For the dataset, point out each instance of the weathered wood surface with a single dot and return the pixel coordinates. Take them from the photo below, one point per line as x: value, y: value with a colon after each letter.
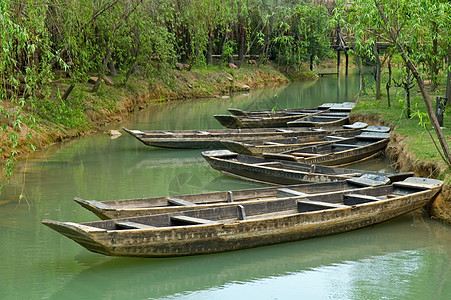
x: 337, y: 153
x: 242, y: 226
x: 258, y: 147
x: 321, y: 120
x: 211, y: 139
x: 272, y: 171
x: 156, y: 205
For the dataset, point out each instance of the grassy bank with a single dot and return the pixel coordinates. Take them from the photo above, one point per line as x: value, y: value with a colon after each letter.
x: 411, y: 147
x: 84, y: 112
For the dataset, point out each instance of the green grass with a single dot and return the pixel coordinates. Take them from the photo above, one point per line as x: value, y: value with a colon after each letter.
x: 415, y: 130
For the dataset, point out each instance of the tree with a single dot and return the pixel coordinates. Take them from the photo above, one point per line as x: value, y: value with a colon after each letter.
x: 407, y: 26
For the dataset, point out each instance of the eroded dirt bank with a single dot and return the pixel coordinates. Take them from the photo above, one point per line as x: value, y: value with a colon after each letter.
x: 405, y: 161
x: 99, y: 110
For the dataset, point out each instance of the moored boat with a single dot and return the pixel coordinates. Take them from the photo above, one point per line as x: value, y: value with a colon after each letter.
x: 279, y: 119
x: 282, y: 145
x: 211, y: 139
x: 156, y: 205
x: 273, y: 171
x: 344, y: 107
x: 340, y: 152
x: 248, y: 225
x: 320, y: 120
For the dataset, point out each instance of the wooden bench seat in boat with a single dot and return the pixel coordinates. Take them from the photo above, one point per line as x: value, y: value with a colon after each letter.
x: 347, y: 146
x: 306, y: 205
x: 272, y: 143
x: 186, y: 220
x: 283, y: 130
x: 289, y: 192
x: 180, y: 202
x: 354, y: 199
x: 133, y: 225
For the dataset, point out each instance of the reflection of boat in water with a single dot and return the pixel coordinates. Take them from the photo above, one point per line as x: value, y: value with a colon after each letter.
x: 131, y: 278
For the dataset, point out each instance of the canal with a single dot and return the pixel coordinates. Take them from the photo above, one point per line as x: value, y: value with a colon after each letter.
x: 405, y: 258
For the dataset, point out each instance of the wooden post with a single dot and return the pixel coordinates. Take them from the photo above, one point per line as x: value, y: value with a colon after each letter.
x: 338, y: 61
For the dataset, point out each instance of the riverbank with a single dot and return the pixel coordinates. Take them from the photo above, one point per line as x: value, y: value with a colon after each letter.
x: 411, y: 147
x: 85, y: 112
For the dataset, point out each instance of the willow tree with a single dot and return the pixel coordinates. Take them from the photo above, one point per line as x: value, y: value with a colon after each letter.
x: 24, y: 71
x: 407, y: 26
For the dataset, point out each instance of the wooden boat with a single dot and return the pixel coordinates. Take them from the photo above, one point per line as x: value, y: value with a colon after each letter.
x: 272, y: 171
x: 320, y: 120
x: 278, y: 119
x: 247, y: 225
x: 282, y: 145
x: 344, y: 107
x: 156, y: 205
x: 211, y: 139
x: 340, y: 152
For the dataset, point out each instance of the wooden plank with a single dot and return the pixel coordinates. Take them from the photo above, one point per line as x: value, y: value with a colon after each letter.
x: 354, y: 199
x: 291, y: 192
x: 369, y: 180
x: 302, y: 154
x: 180, y: 202
x: 346, y: 145
x: 193, y: 220
x: 283, y: 130
x: 306, y: 205
x: 133, y: 225
x: 241, y: 213
x: 268, y: 163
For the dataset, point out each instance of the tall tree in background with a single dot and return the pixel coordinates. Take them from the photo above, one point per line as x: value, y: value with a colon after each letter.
x: 407, y: 26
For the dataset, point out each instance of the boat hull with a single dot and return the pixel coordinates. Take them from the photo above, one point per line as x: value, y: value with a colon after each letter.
x: 273, y: 171
x: 205, y: 239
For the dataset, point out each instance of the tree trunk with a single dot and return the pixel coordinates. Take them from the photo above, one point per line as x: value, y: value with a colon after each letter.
x: 312, y: 58
x: 434, y: 62
x: 377, y: 76
x: 448, y: 77
x: 209, y: 55
x: 359, y: 66
x: 388, y: 85
x: 444, y: 145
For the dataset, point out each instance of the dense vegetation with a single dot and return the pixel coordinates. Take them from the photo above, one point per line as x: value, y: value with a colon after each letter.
x: 418, y: 33
x: 43, y: 41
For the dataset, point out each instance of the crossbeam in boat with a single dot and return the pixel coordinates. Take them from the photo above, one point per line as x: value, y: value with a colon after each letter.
x: 306, y: 205
x: 133, y: 225
x: 192, y: 220
x: 354, y: 199
x: 179, y: 202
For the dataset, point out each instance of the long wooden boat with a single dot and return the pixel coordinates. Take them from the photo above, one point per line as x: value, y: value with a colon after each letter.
x: 211, y: 139
x: 321, y: 120
x: 344, y: 107
x: 278, y: 119
x: 339, y: 152
x: 259, y: 147
x: 156, y: 205
x: 273, y: 171
x: 249, y: 225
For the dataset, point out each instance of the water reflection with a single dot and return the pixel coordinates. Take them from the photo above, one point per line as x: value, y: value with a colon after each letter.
x: 344, y: 265
x: 38, y: 263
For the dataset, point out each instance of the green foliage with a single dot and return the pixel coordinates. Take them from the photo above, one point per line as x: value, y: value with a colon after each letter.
x: 76, y: 39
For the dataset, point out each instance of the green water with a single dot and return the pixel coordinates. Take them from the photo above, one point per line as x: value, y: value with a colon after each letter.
x: 406, y: 258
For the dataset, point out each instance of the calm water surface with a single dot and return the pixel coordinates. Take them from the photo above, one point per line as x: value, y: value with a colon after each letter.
x: 406, y: 258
